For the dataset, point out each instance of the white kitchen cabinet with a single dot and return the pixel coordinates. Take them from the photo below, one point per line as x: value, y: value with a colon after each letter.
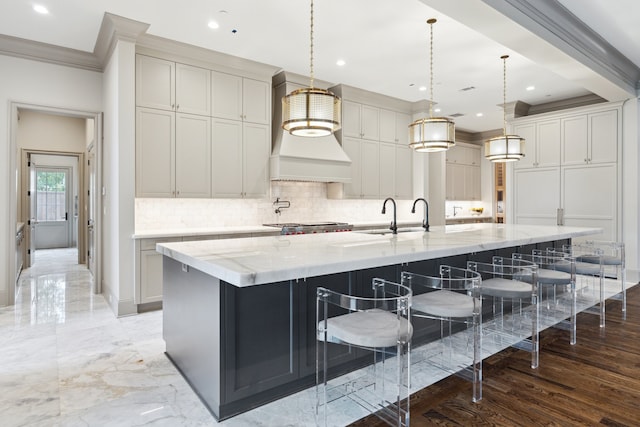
x: 365, y: 175
x: 387, y: 168
x: 148, y: 269
x: 590, y: 138
x: 537, y: 196
x: 172, y: 153
x: 542, y: 144
x: 394, y: 127
x: 463, y: 173
x: 404, y: 172
x: 172, y: 86
x: 239, y: 98
x: 360, y: 121
x: 240, y: 159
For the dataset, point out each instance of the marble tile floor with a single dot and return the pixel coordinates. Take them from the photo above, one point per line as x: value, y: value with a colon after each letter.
x: 66, y: 360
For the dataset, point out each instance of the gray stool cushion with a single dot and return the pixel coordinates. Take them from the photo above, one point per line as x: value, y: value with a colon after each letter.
x: 595, y: 259
x: 371, y: 328
x: 500, y: 287
x: 584, y: 268
x: 548, y: 277
x: 443, y: 303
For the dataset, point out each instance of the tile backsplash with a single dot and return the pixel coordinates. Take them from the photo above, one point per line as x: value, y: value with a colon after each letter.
x: 308, y: 203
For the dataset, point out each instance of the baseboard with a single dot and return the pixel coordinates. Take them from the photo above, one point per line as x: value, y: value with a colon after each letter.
x: 127, y: 308
x: 4, y: 298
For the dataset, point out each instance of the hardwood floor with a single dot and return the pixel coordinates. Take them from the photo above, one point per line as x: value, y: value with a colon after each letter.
x: 595, y: 382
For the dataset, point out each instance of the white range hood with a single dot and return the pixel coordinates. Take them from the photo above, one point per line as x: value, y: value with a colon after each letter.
x: 295, y: 158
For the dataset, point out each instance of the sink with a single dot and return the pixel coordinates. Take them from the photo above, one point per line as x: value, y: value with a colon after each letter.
x: 386, y: 232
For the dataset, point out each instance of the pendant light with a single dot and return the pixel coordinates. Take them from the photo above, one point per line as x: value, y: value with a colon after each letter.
x: 433, y: 133
x: 310, y: 111
x: 505, y: 148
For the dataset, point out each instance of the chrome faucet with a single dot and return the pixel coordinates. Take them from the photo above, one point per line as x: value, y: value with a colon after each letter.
x: 455, y: 211
x: 394, y: 224
x: 425, y: 222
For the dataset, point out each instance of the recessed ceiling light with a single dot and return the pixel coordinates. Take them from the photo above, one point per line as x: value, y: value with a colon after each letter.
x: 437, y: 110
x: 479, y: 114
x: 213, y: 25
x: 340, y: 62
x: 531, y: 88
x: 422, y: 88
x: 40, y: 9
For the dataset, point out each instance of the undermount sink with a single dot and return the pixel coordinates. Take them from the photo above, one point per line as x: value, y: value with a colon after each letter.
x: 387, y: 231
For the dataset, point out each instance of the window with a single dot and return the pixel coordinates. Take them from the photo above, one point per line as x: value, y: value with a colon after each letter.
x: 51, y: 192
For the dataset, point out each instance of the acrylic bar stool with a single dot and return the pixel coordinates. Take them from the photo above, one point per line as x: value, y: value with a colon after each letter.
x: 377, y: 327
x: 452, y: 298
x: 613, y: 261
x: 555, y: 270
x: 500, y: 281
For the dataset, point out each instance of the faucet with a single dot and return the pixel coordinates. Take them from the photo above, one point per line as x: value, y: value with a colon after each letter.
x: 281, y: 204
x: 425, y: 223
x: 394, y: 224
x: 455, y: 211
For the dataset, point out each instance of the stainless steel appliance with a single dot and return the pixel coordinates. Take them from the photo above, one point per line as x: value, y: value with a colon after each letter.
x: 289, y: 228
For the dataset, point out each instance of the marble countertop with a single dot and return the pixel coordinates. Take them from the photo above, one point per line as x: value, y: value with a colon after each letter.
x: 260, y: 260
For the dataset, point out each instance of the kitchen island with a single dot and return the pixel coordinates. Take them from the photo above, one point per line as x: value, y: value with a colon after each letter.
x: 239, y: 314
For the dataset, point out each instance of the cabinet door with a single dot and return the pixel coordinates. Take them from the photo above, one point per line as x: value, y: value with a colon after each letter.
x: 402, y: 128
x: 387, y: 126
x: 404, y: 172
x: 370, y: 123
x: 387, y: 170
x: 472, y: 183
x: 370, y: 172
x: 473, y: 156
x: 603, y: 137
x: 548, y: 140
x: 150, y: 276
x: 226, y: 158
x: 226, y: 96
x: 193, y: 156
x: 155, y: 153
x: 599, y: 208
x: 353, y: 189
x: 455, y: 176
x: 574, y: 140
x: 155, y: 83
x: 456, y: 154
x: 256, y: 101
x: 536, y: 196
x: 351, y: 118
x: 528, y: 132
x: 255, y: 151
x: 193, y: 90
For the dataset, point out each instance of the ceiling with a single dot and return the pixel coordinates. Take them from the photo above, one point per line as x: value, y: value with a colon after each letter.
x: 385, y: 43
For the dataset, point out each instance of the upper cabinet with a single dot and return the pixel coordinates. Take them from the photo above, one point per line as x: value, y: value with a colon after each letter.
x: 171, y: 86
x: 542, y: 144
x: 240, y: 98
x: 394, y: 127
x: 590, y: 138
x: 360, y: 121
x: 463, y: 173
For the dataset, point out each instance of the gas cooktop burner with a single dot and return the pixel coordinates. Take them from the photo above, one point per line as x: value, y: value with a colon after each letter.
x: 316, y: 227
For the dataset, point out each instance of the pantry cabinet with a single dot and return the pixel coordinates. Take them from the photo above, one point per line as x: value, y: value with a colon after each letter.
x: 365, y: 175
x: 542, y: 143
x: 590, y: 138
x: 239, y: 98
x: 463, y: 173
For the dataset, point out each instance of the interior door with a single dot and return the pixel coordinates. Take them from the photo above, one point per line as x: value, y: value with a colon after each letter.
x: 31, y: 242
x: 52, y: 206
x: 91, y: 241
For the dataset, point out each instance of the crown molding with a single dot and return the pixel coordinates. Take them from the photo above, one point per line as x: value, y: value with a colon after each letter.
x: 116, y: 28
x: 44, y: 52
x: 551, y: 21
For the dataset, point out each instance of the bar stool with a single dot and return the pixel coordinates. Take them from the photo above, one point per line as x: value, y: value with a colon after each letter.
x: 501, y: 279
x: 452, y: 298
x: 378, y: 327
x: 612, y: 256
x: 555, y: 270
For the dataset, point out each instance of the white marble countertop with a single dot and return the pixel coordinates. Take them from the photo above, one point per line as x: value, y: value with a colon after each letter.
x: 260, y: 260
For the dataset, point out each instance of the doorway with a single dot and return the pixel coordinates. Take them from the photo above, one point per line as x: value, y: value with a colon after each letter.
x: 61, y: 205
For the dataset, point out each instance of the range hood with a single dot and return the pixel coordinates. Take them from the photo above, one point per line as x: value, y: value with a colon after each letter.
x: 296, y: 158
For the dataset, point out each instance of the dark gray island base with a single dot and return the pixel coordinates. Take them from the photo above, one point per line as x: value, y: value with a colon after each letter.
x: 240, y: 347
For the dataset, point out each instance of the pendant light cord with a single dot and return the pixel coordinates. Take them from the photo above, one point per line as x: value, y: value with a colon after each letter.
x: 504, y: 93
x: 431, y: 22
x: 311, y: 47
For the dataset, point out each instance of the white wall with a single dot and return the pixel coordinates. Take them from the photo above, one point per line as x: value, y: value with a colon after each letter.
x: 631, y: 186
x: 37, y: 84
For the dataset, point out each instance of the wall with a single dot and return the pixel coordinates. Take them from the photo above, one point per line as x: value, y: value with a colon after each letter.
x: 36, y: 84
x: 631, y: 186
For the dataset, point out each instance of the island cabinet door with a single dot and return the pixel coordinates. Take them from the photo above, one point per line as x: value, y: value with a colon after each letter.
x: 259, y: 332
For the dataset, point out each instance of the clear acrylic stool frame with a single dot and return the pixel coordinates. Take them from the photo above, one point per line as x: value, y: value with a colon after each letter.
x: 549, y: 263
x: 393, y: 299
x: 510, y: 269
x: 465, y: 308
